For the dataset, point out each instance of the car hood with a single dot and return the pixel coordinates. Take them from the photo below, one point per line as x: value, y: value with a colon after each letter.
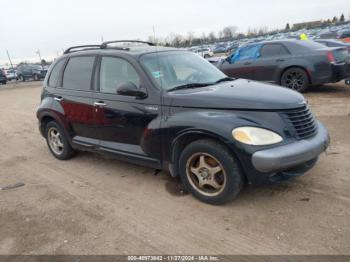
x: 238, y: 94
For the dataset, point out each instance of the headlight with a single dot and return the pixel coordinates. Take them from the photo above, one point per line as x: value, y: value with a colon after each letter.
x: 255, y: 136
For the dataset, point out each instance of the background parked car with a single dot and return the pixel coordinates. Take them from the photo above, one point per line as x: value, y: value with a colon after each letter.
x: 219, y: 49
x: 292, y: 63
x: 10, y: 74
x: 231, y: 48
x: 344, y: 35
x: 204, y: 52
x: 30, y: 71
x: 333, y: 43
x: 3, y: 79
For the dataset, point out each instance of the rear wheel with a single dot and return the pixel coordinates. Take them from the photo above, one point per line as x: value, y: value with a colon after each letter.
x: 210, y: 172
x: 58, y: 142
x: 295, y: 78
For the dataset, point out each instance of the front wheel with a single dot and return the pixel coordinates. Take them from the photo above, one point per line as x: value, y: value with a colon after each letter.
x: 295, y: 78
x: 21, y: 78
x: 210, y: 172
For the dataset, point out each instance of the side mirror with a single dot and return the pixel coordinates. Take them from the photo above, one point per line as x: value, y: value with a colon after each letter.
x: 228, y: 59
x: 130, y: 89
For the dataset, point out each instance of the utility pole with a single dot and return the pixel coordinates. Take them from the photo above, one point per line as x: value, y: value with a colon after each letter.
x: 8, y: 55
x: 38, y: 52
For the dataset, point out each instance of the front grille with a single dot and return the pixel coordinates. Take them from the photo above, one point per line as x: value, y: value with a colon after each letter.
x: 301, y: 121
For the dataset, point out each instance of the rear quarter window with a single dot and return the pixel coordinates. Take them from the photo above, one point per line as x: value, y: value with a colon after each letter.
x: 78, y: 72
x: 55, y: 73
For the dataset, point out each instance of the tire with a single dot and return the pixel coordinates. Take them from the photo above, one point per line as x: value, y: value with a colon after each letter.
x: 204, y: 163
x: 206, y: 56
x: 21, y: 78
x: 59, y: 146
x: 36, y: 77
x: 295, y: 78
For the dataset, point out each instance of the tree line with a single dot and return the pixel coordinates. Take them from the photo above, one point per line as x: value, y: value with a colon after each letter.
x: 229, y: 33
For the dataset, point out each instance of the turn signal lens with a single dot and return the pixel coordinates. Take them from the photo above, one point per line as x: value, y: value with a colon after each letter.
x: 255, y: 136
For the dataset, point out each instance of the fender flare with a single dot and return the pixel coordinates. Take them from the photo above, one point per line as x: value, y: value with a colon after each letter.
x: 56, y: 118
x: 176, y: 145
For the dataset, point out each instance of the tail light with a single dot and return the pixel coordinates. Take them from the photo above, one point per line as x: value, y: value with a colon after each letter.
x: 330, y: 57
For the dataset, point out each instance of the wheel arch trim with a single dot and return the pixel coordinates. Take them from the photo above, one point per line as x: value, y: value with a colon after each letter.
x: 179, y: 142
x: 51, y: 115
x: 308, y: 72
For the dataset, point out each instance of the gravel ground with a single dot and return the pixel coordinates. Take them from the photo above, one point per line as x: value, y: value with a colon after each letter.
x: 92, y: 205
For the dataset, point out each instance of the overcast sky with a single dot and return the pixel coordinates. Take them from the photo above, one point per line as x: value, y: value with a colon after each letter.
x: 50, y: 25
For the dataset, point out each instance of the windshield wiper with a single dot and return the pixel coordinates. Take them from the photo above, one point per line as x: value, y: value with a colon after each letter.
x: 191, y: 85
x: 224, y: 79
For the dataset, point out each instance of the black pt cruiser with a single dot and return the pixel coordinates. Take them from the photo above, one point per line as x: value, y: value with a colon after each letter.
x: 171, y: 109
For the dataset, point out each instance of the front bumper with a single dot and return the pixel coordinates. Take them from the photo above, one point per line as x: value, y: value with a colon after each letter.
x: 291, y: 155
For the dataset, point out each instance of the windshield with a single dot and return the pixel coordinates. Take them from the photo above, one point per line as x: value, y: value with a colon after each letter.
x: 173, y: 69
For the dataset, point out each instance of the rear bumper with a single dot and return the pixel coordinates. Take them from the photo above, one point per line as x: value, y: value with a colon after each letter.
x: 291, y: 155
x: 340, y: 71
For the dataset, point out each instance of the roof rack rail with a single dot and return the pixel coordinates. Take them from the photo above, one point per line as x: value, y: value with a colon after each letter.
x: 85, y: 47
x: 105, y: 44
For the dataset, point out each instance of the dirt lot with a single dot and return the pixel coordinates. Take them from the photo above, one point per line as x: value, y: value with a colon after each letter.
x: 91, y: 205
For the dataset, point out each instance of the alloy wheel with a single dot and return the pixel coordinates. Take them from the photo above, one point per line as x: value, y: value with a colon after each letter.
x: 294, y: 80
x: 206, y: 174
x: 55, y: 141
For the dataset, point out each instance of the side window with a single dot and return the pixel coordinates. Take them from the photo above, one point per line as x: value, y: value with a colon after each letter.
x: 273, y: 50
x: 78, y: 73
x: 115, y: 71
x: 55, y: 73
x: 246, y: 53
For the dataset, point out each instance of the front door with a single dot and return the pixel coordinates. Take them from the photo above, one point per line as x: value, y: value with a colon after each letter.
x: 124, y: 123
x: 242, y: 63
x: 238, y: 69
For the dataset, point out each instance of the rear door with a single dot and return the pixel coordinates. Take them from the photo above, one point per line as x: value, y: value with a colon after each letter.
x: 74, y: 94
x: 271, y: 56
x: 125, y: 123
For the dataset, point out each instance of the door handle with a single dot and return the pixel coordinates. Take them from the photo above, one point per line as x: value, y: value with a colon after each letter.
x: 247, y: 63
x: 58, y: 98
x: 279, y: 60
x: 99, y: 103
